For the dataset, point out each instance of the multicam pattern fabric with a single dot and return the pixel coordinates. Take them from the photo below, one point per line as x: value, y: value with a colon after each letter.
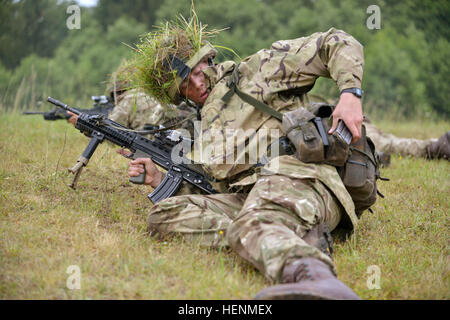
x: 278, y: 212
x: 265, y: 227
x: 390, y: 144
x: 277, y: 77
x: 202, y: 218
x: 286, y: 197
x: 134, y: 109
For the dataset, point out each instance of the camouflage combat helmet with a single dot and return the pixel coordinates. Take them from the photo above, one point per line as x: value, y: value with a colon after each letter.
x: 165, y: 57
x: 120, y: 80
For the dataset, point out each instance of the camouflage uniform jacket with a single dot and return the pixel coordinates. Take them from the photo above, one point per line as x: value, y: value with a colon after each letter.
x: 279, y: 77
x: 134, y: 109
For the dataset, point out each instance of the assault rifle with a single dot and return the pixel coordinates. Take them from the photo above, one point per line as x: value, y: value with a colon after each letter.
x: 102, y: 105
x: 160, y: 150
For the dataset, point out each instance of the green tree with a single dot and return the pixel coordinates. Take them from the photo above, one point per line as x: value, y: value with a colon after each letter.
x: 251, y: 24
x: 436, y: 76
x: 28, y: 26
x: 407, y: 60
x: 143, y: 11
x: 393, y: 80
x: 80, y: 68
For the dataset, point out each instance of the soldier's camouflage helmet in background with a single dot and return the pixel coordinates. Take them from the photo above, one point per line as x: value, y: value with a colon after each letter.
x: 120, y: 80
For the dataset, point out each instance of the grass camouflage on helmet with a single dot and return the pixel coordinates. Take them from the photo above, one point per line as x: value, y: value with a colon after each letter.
x: 119, y: 80
x: 163, y: 58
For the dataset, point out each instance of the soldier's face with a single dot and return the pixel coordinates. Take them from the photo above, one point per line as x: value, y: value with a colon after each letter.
x: 194, y: 87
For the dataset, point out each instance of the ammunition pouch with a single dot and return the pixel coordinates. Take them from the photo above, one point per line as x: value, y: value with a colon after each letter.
x: 357, y: 164
x: 360, y: 173
x: 308, y: 131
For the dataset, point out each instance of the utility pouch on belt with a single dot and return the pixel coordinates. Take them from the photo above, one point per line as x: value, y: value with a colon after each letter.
x: 308, y: 132
x: 357, y: 164
x: 360, y: 173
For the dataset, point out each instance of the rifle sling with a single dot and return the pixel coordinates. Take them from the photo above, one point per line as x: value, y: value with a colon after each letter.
x: 261, y: 106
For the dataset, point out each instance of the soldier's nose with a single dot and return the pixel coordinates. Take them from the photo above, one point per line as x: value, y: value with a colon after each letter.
x: 197, y: 83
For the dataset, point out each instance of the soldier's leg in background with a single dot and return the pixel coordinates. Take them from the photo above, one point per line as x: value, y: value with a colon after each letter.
x: 278, y: 212
x: 390, y: 144
x: 203, y: 218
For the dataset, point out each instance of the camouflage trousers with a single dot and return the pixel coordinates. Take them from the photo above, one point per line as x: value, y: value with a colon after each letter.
x: 266, y: 227
x: 388, y: 143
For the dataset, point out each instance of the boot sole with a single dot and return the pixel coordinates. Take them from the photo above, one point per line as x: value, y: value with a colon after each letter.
x: 320, y: 290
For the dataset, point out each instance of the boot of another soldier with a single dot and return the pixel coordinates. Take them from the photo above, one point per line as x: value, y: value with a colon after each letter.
x: 441, y: 148
x: 385, y: 159
x: 307, y: 279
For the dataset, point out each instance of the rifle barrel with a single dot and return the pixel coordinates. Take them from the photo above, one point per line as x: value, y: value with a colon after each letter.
x: 33, y: 112
x: 62, y: 105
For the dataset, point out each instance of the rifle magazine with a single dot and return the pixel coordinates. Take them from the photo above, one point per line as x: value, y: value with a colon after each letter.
x: 168, y: 187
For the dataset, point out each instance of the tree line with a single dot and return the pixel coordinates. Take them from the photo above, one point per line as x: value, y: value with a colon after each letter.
x: 406, y: 59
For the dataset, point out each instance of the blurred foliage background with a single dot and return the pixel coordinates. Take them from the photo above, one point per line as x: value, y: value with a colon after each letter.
x: 406, y: 68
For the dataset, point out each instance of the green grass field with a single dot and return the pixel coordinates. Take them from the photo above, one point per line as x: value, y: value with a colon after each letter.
x: 46, y: 227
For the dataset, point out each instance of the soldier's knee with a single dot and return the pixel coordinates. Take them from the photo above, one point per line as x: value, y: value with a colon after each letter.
x: 154, y: 226
x: 232, y: 235
x: 158, y: 218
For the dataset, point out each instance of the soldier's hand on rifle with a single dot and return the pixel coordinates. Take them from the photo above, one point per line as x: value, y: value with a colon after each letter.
x: 73, y: 118
x: 153, y: 176
x: 349, y: 109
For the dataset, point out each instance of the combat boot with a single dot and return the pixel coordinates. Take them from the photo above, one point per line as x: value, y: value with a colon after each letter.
x: 440, y: 148
x: 385, y: 159
x: 307, y: 279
